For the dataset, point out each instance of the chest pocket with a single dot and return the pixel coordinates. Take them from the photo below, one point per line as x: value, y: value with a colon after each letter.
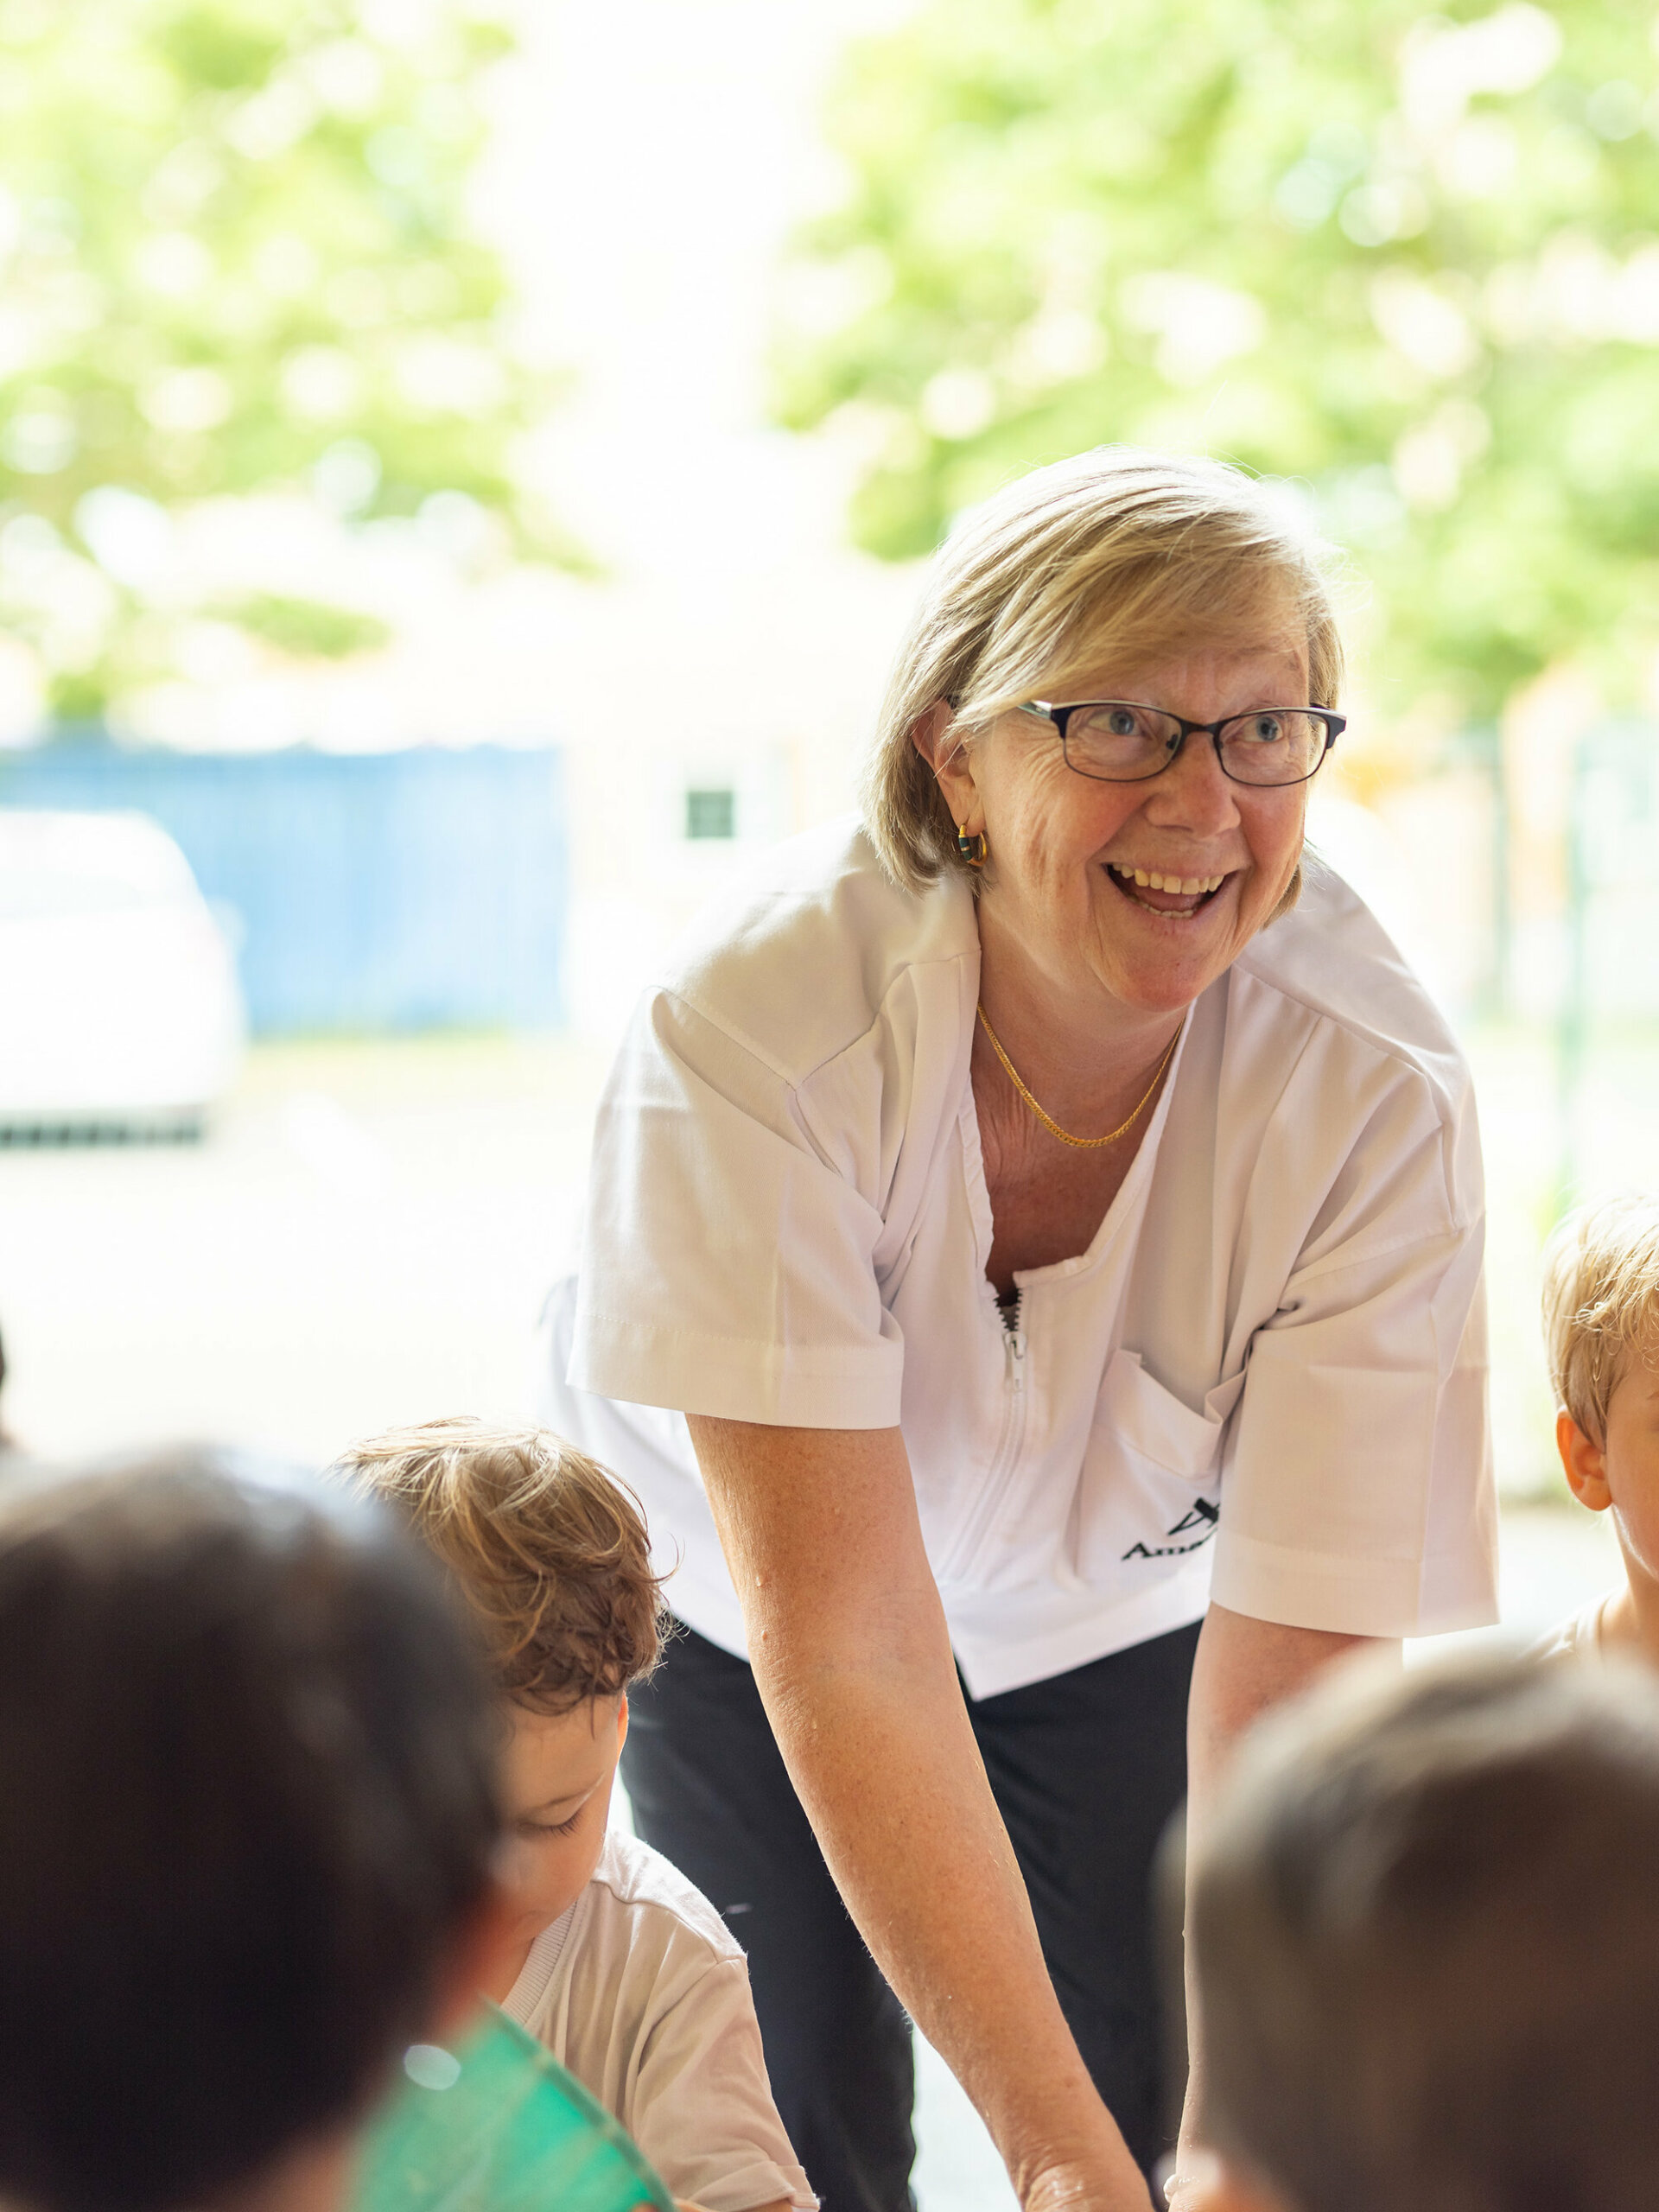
x: 1151, y: 1482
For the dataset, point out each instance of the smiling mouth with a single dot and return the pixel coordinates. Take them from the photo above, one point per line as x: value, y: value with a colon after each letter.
x: 1177, y: 895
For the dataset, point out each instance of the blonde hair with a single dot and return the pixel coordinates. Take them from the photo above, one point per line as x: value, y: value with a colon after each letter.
x: 547, y: 1551
x: 1601, y: 1302
x: 1115, y: 551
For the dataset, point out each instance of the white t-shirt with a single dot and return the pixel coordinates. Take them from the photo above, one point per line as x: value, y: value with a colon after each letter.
x: 643, y: 1993
x: 1578, y: 1638
x: 1265, y: 1377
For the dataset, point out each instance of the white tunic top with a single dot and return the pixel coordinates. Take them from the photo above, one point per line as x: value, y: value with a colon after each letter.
x: 643, y: 1992
x: 1265, y: 1377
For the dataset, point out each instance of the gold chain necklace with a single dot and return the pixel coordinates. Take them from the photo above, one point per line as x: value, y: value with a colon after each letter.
x: 1083, y: 1144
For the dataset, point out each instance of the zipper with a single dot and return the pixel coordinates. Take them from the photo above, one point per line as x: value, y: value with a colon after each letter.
x: 1009, y: 1446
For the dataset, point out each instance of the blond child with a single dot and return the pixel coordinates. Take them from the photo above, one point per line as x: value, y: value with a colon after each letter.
x: 615, y: 1961
x: 1601, y: 1322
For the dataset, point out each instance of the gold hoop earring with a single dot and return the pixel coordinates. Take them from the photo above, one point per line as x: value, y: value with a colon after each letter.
x: 973, y: 849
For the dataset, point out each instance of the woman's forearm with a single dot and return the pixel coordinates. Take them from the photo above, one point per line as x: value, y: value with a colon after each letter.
x: 852, y: 1656
x: 885, y: 1762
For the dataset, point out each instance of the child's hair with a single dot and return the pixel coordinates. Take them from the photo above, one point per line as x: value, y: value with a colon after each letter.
x: 1601, y: 1303
x: 548, y: 1551
x: 1426, y: 1937
x: 248, y: 1806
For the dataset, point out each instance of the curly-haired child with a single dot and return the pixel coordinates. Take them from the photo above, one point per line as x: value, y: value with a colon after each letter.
x: 618, y: 1965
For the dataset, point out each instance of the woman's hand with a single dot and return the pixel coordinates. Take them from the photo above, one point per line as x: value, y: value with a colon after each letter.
x: 852, y: 1657
x: 777, y: 2204
x: 1109, y: 2184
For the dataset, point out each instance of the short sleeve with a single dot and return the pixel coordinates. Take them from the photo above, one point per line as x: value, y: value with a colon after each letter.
x: 702, y: 2108
x: 1358, y: 1493
x: 727, y: 1266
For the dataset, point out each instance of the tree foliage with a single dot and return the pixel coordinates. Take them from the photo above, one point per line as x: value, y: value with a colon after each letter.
x: 236, y: 260
x: 1410, y: 260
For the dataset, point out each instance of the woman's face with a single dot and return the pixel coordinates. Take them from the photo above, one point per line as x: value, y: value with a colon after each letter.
x: 1065, y: 851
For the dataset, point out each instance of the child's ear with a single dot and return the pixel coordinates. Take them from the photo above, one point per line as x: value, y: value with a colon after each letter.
x: 621, y: 1722
x: 1583, y: 1464
x: 468, y: 1967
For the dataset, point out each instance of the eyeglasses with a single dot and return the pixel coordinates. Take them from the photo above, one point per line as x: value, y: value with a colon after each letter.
x: 1119, y: 742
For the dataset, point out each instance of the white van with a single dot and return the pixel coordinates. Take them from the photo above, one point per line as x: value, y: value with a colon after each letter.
x: 120, y: 1012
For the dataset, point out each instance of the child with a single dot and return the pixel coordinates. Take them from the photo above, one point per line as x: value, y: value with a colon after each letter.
x: 622, y: 1968
x: 1601, y: 1321
x: 247, y: 1813
x: 1425, y: 1935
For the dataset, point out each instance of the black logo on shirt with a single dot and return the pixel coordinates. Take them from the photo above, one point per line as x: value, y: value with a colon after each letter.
x: 1204, y: 1516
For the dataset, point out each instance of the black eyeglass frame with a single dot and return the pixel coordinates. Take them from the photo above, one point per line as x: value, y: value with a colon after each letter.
x: 1061, y: 715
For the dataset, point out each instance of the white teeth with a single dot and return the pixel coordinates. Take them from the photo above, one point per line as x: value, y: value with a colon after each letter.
x: 1142, y: 878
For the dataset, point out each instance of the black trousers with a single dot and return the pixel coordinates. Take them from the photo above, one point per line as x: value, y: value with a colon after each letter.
x: 1086, y: 1769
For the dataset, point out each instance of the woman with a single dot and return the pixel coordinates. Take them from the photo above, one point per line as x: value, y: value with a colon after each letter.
x: 1057, y: 1213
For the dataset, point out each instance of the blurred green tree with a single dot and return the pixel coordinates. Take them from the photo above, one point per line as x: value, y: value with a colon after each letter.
x: 237, y: 260
x: 1409, y: 260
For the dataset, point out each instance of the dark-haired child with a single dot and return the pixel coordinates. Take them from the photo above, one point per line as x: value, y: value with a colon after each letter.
x: 247, y: 1815
x: 1425, y: 1935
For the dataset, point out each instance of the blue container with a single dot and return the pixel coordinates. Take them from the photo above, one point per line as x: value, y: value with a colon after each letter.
x: 384, y: 892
